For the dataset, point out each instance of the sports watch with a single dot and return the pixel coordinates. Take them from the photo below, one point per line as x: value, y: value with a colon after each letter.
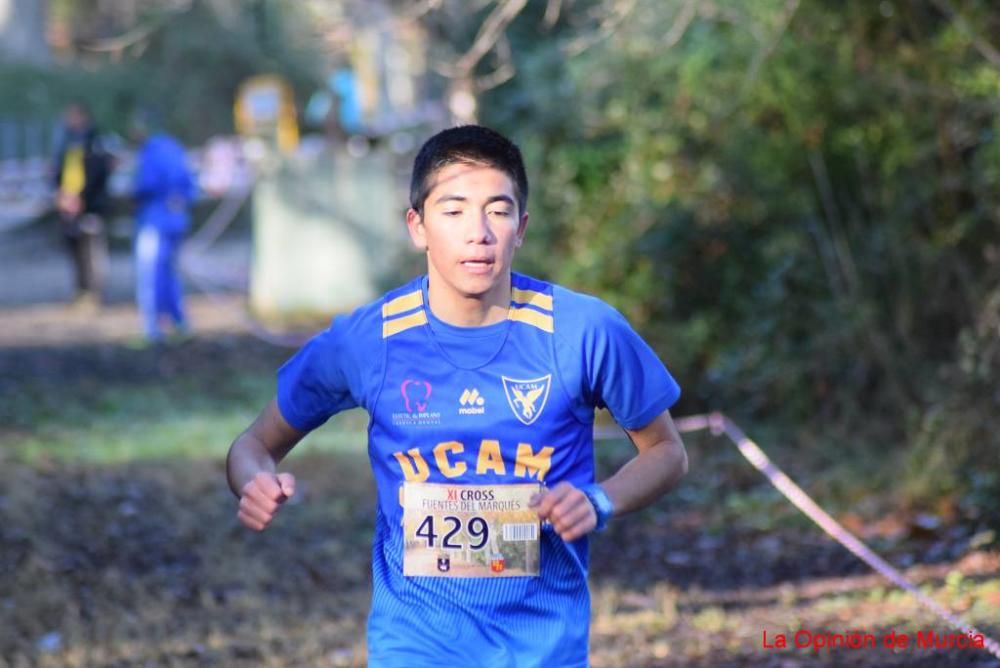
x: 601, y: 502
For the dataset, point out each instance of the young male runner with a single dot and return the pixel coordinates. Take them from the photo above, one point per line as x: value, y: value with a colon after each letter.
x: 481, y: 386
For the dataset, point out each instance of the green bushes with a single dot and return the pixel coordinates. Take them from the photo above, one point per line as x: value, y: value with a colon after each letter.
x: 796, y: 210
x: 188, y: 66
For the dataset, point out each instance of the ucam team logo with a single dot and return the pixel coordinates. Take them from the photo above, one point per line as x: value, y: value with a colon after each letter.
x: 527, y: 397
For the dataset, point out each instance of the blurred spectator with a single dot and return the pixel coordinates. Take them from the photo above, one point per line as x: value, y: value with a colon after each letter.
x: 163, y: 190
x: 82, y: 168
x: 349, y: 114
x: 337, y: 107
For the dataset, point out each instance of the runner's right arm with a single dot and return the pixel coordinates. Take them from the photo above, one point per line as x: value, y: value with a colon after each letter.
x: 251, y: 467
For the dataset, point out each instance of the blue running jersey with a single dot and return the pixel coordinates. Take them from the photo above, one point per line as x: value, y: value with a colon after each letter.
x: 507, y: 403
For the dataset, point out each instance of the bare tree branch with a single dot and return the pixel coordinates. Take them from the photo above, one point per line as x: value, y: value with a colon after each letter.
x: 609, y: 24
x: 120, y: 42
x: 421, y: 8
x: 984, y: 48
x: 136, y: 35
x: 500, y: 75
x: 552, y: 11
x: 710, y: 11
x: 681, y: 24
x: 503, y: 72
x: 489, y: 33
x: 463, y: 86
x: 765, y: 50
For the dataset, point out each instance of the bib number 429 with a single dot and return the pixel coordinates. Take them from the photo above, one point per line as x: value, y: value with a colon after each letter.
x: 476, y: 528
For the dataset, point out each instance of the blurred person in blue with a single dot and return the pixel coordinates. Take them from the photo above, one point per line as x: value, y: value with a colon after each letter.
x: 344, y: 84
x: 337, y: 106
x: 163, y: 190
x: 481, y: 385
x: 80, y: 175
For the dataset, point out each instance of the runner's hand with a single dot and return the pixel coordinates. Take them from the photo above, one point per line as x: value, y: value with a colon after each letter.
x: 568, y: 509
x: 261, y: 497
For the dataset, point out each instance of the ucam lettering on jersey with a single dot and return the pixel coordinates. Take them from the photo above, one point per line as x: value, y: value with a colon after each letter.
x: 490, y: 459
x: 527, y: 397
x: 471, y: 402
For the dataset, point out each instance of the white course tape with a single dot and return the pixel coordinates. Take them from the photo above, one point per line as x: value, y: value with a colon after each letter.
x: 719, y: 424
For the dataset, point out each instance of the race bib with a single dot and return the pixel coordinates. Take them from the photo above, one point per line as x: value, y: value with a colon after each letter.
x: 469, y: 531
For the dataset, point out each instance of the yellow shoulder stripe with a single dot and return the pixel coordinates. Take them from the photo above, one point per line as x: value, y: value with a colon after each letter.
x: 542, y: 321
x: 397, y: 325
x: 539, y: 299
x: 407, y: 302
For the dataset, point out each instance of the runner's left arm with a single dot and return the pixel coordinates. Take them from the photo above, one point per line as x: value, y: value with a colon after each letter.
x: 659, y: 464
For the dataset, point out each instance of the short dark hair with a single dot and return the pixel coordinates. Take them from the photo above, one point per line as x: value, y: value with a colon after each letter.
x: 473, y: 144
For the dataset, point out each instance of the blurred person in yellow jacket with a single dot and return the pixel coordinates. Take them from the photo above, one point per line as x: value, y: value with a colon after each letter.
x: 81, y: 173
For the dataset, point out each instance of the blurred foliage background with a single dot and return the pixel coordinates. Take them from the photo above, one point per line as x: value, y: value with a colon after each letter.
x: 795, y: 201
x: 184, y: 58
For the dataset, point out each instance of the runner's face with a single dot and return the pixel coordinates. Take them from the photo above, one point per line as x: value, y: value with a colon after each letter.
x: 470, y: 228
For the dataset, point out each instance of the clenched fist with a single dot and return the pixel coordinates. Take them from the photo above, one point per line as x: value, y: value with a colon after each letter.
x: 261, y: 497
x: 568, y: 509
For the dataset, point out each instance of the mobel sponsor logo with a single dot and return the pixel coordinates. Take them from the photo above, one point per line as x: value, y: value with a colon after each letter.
x: 471, y: 403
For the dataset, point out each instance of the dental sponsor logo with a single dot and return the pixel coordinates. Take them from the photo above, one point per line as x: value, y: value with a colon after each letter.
x: 416, y: 396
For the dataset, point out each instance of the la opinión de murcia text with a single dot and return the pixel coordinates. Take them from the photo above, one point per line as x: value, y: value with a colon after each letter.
x: 823, y: 640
